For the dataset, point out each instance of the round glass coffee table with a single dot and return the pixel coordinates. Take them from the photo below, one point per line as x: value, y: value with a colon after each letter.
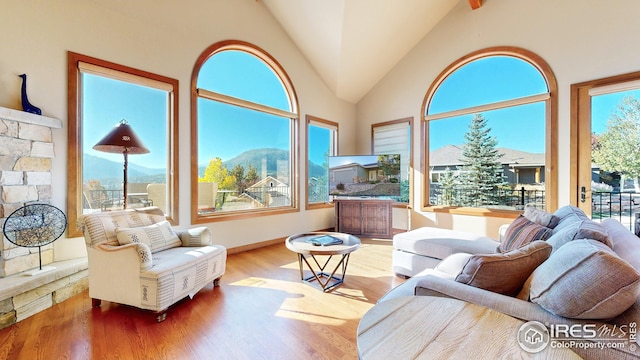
x: 315, y: 246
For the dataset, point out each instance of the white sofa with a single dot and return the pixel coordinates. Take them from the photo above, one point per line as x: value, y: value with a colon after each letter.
x: 425, y: 247
x: 136, y: 258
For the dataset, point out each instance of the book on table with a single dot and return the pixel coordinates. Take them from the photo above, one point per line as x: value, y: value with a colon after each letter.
x: 324, y: 240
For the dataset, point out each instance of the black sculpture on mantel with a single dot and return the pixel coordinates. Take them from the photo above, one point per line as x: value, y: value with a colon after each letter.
x: 26, y: 105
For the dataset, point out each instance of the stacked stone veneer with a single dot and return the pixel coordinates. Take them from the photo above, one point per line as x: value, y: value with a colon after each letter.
x: 26, y: 154
x: 26, y: 151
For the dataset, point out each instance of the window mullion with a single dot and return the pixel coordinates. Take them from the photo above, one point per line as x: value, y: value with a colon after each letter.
x: 488, y: 107
x: 206, y: 94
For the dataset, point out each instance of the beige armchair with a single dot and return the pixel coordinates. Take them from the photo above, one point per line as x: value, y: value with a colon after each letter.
x: 136, y: 258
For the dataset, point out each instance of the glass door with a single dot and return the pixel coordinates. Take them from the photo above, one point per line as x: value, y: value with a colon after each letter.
x: 606, y: 140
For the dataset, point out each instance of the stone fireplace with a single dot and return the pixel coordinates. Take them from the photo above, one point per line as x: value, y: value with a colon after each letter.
x: 26, y: 153
x: 26, y: 150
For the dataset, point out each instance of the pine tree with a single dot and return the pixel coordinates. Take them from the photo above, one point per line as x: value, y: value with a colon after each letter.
x: 448, y: 185
x: 481, y: 174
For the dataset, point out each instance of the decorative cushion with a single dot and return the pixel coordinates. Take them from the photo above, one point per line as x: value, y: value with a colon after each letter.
x: 585, y: 279
x: 521, y: 232
x: 541, y: 217
x: 504, y: 273
x: 453, y: 264
x: 157, y: 237
x: 581, y: 229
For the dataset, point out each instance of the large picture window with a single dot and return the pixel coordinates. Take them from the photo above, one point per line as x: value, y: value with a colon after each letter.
x: 105, y: 95
x: 490, y: 132
x: 244, y: 134
x: 322, y: 142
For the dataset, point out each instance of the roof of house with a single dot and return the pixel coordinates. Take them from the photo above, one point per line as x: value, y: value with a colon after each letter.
x: 349, y: 165
x: 450, y: 155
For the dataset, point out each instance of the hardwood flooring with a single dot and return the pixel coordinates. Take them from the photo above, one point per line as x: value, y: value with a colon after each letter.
x: 261, y: 311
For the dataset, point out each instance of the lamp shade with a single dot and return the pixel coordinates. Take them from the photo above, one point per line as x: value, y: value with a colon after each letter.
x: 122, y: 139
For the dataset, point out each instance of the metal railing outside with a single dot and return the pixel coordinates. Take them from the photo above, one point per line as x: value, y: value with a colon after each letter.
x: 105, y: 199
x: 514, y: 199
x: 622, y: 206
x: 268, y: 196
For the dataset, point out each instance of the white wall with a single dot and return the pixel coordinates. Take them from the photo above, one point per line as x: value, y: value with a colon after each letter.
x: 163, y: 37
x: 580, y: 40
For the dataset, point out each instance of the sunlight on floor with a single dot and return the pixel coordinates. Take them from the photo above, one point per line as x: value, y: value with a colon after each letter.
x: 305, y: 302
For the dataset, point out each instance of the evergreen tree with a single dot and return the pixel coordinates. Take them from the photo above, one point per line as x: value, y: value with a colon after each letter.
x: 481, y: 174
x: 389, y: 164
x: 448, y: 184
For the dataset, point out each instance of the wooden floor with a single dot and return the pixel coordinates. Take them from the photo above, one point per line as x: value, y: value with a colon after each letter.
x: 261, y: 311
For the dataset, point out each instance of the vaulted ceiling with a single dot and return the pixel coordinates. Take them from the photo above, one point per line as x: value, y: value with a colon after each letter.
x: 352, y: 44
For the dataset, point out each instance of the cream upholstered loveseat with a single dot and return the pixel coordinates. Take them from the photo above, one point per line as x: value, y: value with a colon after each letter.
x: 589, y: 276
x: 136, y: 258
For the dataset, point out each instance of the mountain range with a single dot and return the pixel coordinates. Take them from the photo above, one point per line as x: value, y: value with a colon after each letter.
x: 107, y: 171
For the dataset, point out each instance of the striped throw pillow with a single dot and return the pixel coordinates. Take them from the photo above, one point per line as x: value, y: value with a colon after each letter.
x: 521, y: 232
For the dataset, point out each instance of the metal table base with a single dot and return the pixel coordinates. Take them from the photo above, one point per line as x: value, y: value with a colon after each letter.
x: 326, y: 281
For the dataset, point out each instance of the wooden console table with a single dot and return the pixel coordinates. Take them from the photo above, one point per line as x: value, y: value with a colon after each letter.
x: 370, y: 217
x: 427, y: 327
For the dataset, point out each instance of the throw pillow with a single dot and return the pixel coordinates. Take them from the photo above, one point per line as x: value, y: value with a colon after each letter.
x: 585, y: 279
x: 521, y: 232
x: 504, y: 273
x: 581, y: 229
x: 453, y: 264
x: 541, y: 217
x: 157, y: 237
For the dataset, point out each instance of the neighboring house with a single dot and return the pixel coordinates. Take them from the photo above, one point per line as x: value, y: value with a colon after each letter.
x: 354, y: 173
x: 519, y: 167
x: 268, y: 192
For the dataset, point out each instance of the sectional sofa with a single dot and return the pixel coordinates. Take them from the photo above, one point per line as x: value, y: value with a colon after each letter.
x: 559, y: 268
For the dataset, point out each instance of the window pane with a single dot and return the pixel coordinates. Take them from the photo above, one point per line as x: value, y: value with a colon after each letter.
x: 615, y: 128
x: 485, y: 81
x: 519, y: 134
x: 320, y: 147
x: 396, y: 139
x: 105, y: 102
x: 246, y: 153
x: 244, y: 76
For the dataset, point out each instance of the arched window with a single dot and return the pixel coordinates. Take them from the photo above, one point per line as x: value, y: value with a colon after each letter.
x: 490, y: 133
x: 244, y: 134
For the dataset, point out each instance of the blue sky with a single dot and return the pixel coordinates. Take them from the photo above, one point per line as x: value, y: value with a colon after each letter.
x: 348, y: 159
x: 486, y: 81
x: 602, y: 106
x: 105, y: 102
x: 238, y: 74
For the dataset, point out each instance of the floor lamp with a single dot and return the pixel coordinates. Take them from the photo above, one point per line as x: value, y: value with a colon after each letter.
x: 122, y: 139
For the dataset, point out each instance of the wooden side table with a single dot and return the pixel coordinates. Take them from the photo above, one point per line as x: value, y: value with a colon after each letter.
x: 307, y: 251
x: 427, y: 327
